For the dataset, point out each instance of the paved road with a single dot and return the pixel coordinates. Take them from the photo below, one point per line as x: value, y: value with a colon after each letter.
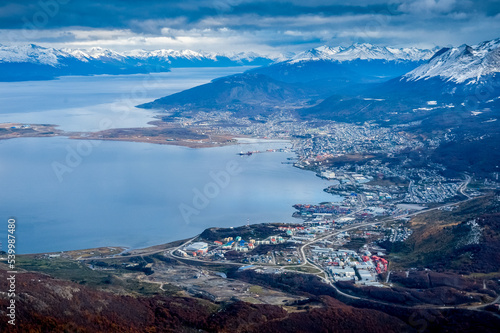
x: 171, y: 253
x: 463, y: 187
x: 327, y: 280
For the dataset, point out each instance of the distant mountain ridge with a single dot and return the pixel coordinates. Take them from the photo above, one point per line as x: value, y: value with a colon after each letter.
x: 364, y: 51
x: 51, y: 56
x: 340, y: 69
x: 28, y: 62
x: 304, y: 79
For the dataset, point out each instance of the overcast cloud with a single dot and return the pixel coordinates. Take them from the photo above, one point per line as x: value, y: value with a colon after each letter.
x: 241, y: 25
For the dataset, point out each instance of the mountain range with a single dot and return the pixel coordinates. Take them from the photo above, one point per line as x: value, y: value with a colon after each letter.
x: 364, y: 82
x: 364, y: 51
x: 309, y: 77
x: 29, y: 62
x: 33, y: 62
x: 455, y: 91
x: 465, y: 78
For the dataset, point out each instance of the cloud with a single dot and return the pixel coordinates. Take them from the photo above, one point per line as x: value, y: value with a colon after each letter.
x: 233, y: 25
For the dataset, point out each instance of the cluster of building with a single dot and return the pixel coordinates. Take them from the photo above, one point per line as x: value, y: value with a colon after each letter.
x: 316, y: 144
x: 427, y: 192
x: 239, y: 244
x: 194, y: 249
x: 218, y: 248
x: 331, y: 254
x: 326, y: 210
x: 398, y: 234
x: 342, y: 264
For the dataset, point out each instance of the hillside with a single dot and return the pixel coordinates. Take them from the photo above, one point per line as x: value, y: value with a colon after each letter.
x: 305, y: 79
x: 466, y: 239
x: 49, y: 305
x: 245, y: 94
x: 463, y: 79
x: 464, y: 64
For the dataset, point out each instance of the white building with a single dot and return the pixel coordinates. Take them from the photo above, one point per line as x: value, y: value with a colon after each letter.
x: 328, y: 174
x: 197, y: 247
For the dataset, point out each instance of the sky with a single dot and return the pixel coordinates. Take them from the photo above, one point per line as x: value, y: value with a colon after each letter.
x: 265, y: 27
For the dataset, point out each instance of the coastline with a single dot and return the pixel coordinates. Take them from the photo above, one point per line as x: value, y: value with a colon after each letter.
x: 231, y: 152
x: 21, y: 130
x: 162, y: 133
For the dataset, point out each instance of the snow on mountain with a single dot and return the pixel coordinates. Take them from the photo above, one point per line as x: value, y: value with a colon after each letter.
x: 100, y: 53
x: 246, y: 56
x: 319, y: 53
x: 53, y: 57
x: 33, y: 62
x: 168, y: 54
x: 464, y: 64
x: 78, y: 54
x: 30, y: 54
x: 364, y: 52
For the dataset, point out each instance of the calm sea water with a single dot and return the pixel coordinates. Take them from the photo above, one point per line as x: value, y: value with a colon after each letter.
x: 79, y: 103
x: 70, y: 194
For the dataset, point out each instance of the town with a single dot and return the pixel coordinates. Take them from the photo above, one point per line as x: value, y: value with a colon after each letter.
x: 345, y: 249
x: 368, y: 160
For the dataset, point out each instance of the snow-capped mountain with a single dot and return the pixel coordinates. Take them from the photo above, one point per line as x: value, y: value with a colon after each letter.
x: 358, y: 63
x: 28, y: 62
x: 100, y: 53
x: 31, y: 54
x: 175, y: 56
x: 364, y: 52
x: 464, y: 64
x: 49, y: 56
x: 169, y: 55
x: 455, y: 86
x: 319, y: 53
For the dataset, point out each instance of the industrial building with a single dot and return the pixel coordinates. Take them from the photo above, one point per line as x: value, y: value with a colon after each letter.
x: 199, y: 247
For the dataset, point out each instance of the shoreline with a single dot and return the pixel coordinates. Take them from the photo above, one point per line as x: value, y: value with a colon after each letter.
x: 161, y: 133
x: 22, y: 130
x: 240, y: 140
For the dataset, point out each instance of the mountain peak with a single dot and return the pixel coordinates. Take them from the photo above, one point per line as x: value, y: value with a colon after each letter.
x: 463, y: 64
x: 361, y: 45
x: 29, y: 53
